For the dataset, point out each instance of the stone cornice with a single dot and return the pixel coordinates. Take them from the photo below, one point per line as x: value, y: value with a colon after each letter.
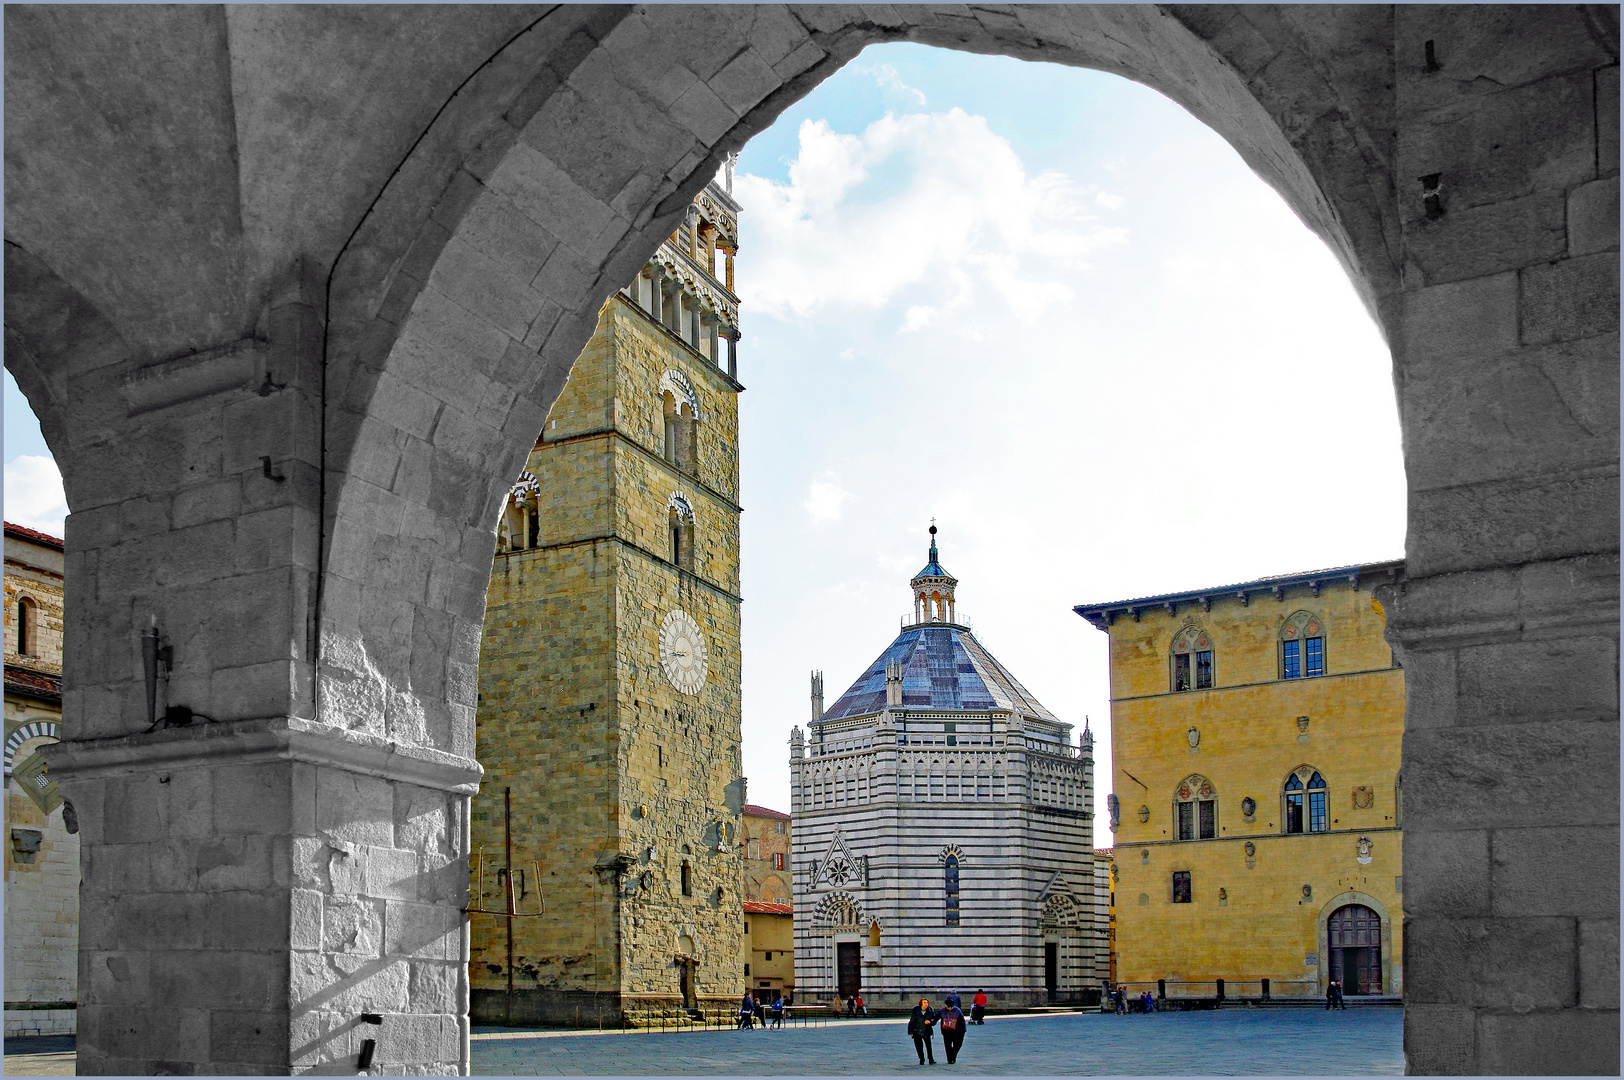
x: 1368, y: 574
x: 245, y: 742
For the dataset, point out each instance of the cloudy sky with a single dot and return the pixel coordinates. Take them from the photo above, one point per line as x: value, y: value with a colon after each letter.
x: 1047, y: 308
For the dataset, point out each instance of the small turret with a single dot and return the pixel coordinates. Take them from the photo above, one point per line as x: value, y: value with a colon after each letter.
x: 797, y: 746
x: 933, y: 589
x: 817, y: 695
x: 893, y: 684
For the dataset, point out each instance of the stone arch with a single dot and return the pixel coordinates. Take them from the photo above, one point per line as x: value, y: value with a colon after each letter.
x: 1391, y: 946
x: 29, y: 730
x: 839, y: 911
x: 346, y: 277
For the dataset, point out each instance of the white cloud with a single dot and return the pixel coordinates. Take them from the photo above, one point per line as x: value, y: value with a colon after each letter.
x: 887, y: 77
x: 34, y: 493
x: 1110, y: 201
x: 825, y: 498
x: 937, y: 205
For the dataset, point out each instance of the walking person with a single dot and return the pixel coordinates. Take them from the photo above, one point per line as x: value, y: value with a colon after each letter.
x: 747, y: 1012
x: 778, y: 1011
x: 1340, y: 1003
x: 1330, y: 995
x: 952, y: 1020
x: 921, y: 1026
x: 1120, y: 999
x: 978, y: 1009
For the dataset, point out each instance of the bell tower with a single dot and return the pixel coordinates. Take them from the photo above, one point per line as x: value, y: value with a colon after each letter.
x: 933, y: 590
x: 609, y: 679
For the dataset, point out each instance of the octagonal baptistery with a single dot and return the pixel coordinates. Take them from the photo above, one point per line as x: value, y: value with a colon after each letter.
x: 943, y: 825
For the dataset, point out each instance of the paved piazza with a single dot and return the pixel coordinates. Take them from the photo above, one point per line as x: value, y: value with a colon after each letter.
x: 1231, y: 1042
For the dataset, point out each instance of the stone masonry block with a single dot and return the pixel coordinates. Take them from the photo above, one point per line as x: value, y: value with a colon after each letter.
x: 549, y: 196
x: 433, y: 988
x: 1486, y: 776
x: 1570, y: 299
x: 134, y: 1031
x: 1561, y: 679
x: 252, y: 799
x: 1430, y: 693
x: 773, y: 33
x: 1512, y: 522
x: 1527, y: 412
x: 352, y: 925
x: 1495, y: 963
x: 1503, y: 145
x: 426, y: 931
x: 1571, y: 870
x: 249, y: 1036
x: 220, y: 979
x: 355, y: 809
x: 305, y: 929
x: 746, y: 79
x: 140, y: 803
x: 703, y: 113
x: 1453, y: 877
x: 1474, y: 241
x: 164, y: 920
x: 1439, y: 1040
x: 487, y: 288
x: 1570, y: 1043
x: 1598, y: 963
x: 1460, y: 319
x: 247, y: 920
x: 189, y: 804
x: 112, y: 977
x: 1593, y: 217
x: 408, y: 1040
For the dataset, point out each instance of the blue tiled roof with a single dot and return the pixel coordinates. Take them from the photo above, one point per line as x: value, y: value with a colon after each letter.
x: 943, y: 667
x: 933, y: 569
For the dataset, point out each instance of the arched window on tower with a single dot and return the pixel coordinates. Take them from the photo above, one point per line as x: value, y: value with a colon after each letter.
x: 1195, y: 809
x: 950, y: 875
x: 1192, y: 660
x: 1302, y: 646
x: 679, y: 419
x: 680, y: 522
x: 27, y: 615
x: 1304, y: 798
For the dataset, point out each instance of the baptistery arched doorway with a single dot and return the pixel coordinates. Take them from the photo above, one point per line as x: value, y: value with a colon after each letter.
x: 1354, y: 941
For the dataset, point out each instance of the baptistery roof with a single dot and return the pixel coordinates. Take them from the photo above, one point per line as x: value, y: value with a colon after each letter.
x: 944, y: 668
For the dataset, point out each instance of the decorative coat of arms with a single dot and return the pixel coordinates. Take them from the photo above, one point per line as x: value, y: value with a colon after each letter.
x: 1364, y: 846
x: 1363, y: 797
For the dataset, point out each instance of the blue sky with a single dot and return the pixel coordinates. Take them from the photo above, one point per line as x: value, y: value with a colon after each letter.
x: 1053, y: 311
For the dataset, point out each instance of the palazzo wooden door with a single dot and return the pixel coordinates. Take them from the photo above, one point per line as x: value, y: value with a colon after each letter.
x: 848, y: 968
x: 1355, y: 942
x: 1051, y: 969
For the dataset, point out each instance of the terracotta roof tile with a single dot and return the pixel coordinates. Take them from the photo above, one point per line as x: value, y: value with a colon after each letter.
x: 762, y: 907
x: 761, y: 811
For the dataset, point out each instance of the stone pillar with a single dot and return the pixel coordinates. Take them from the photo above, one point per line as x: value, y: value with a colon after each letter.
x: 732, y: 335
x: 1507, y: 620
x: 656, y: 292
x: 253, y: 880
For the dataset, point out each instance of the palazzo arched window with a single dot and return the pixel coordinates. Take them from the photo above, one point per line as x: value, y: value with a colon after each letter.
x: 1302, y: 646
x: 950, y: 886
x: 680, y: 522
x: 1195, y: 809
x: 1192, y: 660
x: 679, y: 416
x: 1304, y: 797
x: 27, y: 626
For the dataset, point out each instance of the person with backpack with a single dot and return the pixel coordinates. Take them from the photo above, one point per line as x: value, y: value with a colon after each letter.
x: 778, y: 1011
x: 921, y: 1026
x: 978, y: 1008
x: 952, y: 1021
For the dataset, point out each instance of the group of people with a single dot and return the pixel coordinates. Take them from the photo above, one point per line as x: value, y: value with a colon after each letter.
x: 1333, y: 996
x: 752, y: 1012
x: 855, y: 1006
x: 1122, y: 1005
x: 924, y: 1020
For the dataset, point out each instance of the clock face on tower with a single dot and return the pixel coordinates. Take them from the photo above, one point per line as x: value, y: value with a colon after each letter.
x: 682, y: 652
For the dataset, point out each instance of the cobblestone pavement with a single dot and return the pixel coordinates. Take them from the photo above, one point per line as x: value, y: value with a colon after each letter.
x: 1227, y: 1043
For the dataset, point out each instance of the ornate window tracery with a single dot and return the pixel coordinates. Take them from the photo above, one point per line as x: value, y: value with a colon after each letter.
x: 1195, y: 809
x: 1192, y: 660
x: 1302, y: 646
x: 680, y: 521
x: 1304, y: 797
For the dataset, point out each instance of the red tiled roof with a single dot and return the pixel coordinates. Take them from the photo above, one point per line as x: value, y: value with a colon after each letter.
x: 34, y: 684
x: 761, y: 811
x: 762, y: 907
x: 33, y: 534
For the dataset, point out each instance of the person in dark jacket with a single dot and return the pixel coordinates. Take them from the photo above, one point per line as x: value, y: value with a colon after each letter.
x: 952, y: 1021
x: 747, y: 1012
x: 921, y: 1025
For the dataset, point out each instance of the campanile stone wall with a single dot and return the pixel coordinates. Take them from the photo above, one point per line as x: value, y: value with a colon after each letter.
x: 610, y: 777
